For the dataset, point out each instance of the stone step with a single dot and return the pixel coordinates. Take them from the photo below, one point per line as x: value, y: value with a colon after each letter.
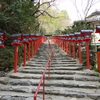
x: 57, y: 62
x: 41, y: 60
x: 63, y: 63
x: 5, y: 95
x: 25, y: 96
x: 53, y: 68
x: 59, y: 72
x: 57, y: 91
x: 57, y: 58
x: 31, y: 89
x: 66, y: 65
x: 54, y: 65
x: 55, y: 77
x: 56, y: 83
x: 37, y: 63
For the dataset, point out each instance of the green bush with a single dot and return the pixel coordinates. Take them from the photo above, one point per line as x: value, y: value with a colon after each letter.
x: 6, y: 58
x: 16, y: 16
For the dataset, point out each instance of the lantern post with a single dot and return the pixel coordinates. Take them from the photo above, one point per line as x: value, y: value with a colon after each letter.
x: 87, y: 38
x: 98, y: 49
x: 79, y: 40
x: 32, y: 44
x: 73, y: 45
x: 29, y: 46
x: 62, y: 39
x: 69, y: 44
x: 25, y: 41
x: 16, y: 42
x: 66, y: 43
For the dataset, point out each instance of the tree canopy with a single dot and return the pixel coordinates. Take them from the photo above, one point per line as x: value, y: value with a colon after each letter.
x: 58, y: 21
x: 26, y: 16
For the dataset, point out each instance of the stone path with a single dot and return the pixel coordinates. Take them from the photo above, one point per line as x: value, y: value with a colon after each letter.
x: 68, y: 79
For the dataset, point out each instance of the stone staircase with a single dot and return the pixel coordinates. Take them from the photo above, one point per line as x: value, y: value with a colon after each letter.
x: 68, y: 79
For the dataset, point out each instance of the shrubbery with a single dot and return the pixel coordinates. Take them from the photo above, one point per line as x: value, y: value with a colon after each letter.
x: 16, y: 16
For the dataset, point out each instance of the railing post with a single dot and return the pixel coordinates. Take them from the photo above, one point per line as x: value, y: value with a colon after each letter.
x: 44, y: 87
x: 34, y: 98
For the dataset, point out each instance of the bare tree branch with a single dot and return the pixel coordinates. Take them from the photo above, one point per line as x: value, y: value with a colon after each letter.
x: 95, y: 2
x: 43, y: 12
x: 48, y: 2
x: 89, y: 5
x: 82, y: 6
x: 38, y: 7
x: 87, y: 8
x: 78, y: 12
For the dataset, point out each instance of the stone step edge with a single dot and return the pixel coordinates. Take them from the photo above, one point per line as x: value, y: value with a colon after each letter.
x: 66, y: 94
x: 55, y: 72
x: 29, y: 83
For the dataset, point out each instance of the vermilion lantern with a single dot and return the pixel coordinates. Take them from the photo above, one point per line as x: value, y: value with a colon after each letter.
x: 78, y: 36
x: 25, y: 38
x: 25, y: 41
x: 87, y: 38
x: 87, y: 34
x: 16, y: 39
x: 2, y: 38
x: 97, y: 29
x: 34, y: 37
x: 16, y: 42
x: 72, y: 36
x: 69, y: 38
x: 31, y: 35
x: 66, y: 38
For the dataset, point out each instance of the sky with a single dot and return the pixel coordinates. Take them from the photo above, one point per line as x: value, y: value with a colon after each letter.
x: 71, y: 10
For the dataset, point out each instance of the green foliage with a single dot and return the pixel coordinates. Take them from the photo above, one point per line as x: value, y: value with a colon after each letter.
x: 16, y: 16
x: 6, y: 59
x: 77, y: 27
x: 55, y: 21
x: 58, y: 32
x: 95, y: 68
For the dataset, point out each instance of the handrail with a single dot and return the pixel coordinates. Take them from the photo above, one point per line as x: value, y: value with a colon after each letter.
x: 42, y: 80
